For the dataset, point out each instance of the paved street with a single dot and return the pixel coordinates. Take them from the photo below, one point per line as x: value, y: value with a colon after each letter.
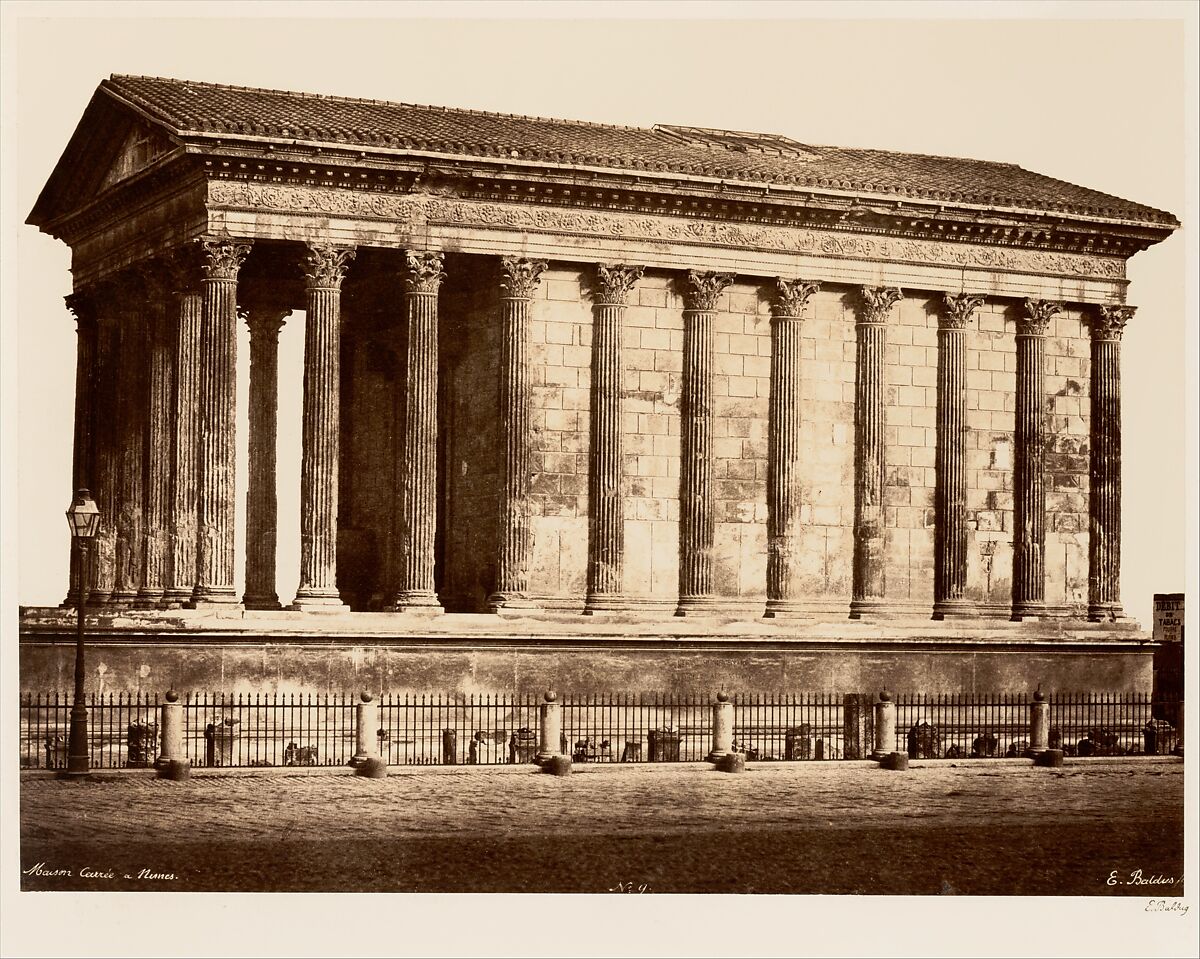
x: 835, y: 827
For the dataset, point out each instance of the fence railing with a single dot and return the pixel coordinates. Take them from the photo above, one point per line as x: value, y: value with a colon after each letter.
x: 221, y: 729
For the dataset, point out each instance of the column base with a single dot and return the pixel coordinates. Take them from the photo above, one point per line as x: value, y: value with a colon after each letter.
x: 422, y: 602
x: 212, y: 596
x: 716, y: 755
x: 1028, y: 612
x: 605, y: 603
x: 514, y: 602
x: 784, y: 609
x: 149, y: 599
x: 1105, y: 613
x: 314, y: 601
x: 176, y: 598
x: 267, y: 602
x: 866, y: 608
x: 954, y: 609
x: 123, y: 597
x: 704, y: 605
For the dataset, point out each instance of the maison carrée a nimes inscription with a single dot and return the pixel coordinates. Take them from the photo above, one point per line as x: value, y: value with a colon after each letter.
x: 592, y: 407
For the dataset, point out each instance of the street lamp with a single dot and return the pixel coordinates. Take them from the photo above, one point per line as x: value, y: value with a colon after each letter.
x: 83, y: 516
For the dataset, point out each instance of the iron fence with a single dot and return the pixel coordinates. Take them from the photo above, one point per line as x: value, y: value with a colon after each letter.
x: 222, y: 729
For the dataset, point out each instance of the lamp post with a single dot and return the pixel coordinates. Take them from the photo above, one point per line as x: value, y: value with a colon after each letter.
x: 83, y: 517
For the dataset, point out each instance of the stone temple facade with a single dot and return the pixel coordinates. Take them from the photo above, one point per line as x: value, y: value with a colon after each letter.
x: 741, y: 399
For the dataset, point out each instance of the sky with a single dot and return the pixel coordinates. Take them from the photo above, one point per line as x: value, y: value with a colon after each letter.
x: 1108, y: 104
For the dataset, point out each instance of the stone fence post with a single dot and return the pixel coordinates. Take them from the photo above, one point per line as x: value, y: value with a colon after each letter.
x: 550, y: 716
x: 171, y: 728
x: 885, y: 727
x: 1039, y: 724
x: 722, y: 729
x: 366, y: 721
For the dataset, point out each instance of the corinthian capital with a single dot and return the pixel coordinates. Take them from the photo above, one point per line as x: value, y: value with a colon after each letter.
x: 702, y: 289
x: 223, y: 257
x: 1109, y: 322
x: 83, y: 305
x: 1038, y: 313
x: 423, y: 272
x: 877, y: 303
x: 615, y: 282
x: 326, y: 266
x: 791, y: 296
x: 519, y: 277
x: 957, y: 310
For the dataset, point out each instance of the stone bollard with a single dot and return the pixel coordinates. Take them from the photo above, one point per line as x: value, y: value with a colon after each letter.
x: 1052, y: 758
x: 1039, y: 724
x: 894, y: 760
x: 550, y: 721
x: 885, y: 727
x: 722, y: 729
x: 366, y: 720
x: 171, y: 762
x: 732, y: 763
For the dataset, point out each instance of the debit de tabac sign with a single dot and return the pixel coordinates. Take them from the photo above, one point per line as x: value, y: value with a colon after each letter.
x: 1168, y: 617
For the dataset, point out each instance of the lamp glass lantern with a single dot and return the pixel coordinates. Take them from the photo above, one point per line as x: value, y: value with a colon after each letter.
x: 83, y: 516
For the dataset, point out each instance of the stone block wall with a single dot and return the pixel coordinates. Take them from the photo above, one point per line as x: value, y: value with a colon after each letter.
x: 561, y: 319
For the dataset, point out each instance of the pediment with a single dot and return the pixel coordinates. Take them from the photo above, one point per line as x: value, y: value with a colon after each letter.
x: 111, y: 145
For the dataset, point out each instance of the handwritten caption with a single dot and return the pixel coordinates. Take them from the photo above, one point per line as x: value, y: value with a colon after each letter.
x: 631, y: 887
x: 42, y: 870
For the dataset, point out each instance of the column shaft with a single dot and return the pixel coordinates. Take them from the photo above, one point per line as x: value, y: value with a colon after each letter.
x: 321, y: 429
x: 419, y: 434
x: 519, y: 279
x: 606, y: 505
x: 1104, y: 540
x: 132, y: 419
x: 107, y: 456
x: 696, y: 503
x: 1029, y: 506
x: 160, y: 343
x: 950, y: 492
x: 216, y: 479
x: 783, y: 445
x: 182, y: 524
x: 82, y: 451
x: 261, y: 508
x: 869, y: 388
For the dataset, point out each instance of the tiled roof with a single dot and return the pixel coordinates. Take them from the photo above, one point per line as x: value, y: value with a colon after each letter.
x: 206, y: 108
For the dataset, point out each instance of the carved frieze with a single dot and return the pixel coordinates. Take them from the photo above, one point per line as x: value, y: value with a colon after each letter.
x: 650, y: 228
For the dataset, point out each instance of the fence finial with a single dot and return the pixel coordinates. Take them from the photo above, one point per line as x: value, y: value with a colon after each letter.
x: 551, y: 696
x: 365, y: 696
x: 172, y: 696
x: 722, y: 697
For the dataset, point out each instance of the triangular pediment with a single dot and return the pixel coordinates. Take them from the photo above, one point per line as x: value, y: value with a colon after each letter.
x: 112, y: 143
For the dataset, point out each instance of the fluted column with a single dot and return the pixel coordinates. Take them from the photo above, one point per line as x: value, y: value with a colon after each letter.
x: 950, y: 489
x: 160, y: 348
x: 181, y: 522
x: 264, y: 323
x: 216, y: 479
x: 133, y: 401
x: 107, y: 452
x: 1029, y: 506
x: 696, y: 504
x: 321, y: 426
x: 783, y: 444
x: 418, y: 450
x: 606, y: 505
x: 84, y: 307
x: 519, y: 278
x: 869, y: 391
x: 1104, y: 527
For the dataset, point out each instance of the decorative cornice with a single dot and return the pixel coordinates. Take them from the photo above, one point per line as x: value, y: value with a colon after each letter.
x: 701, y: 289
x: 1037, y: 316
x: 415, y: 209
x: 264, y: 321
x: 1108, y: 323
x: 326, y: 266
x: 519, y: 277
x: 423, y: 272
x: 877, y: 303
x: 616, y: 282
x: 958, y: 308
x: 223, y: 257
x: 791, y: 297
